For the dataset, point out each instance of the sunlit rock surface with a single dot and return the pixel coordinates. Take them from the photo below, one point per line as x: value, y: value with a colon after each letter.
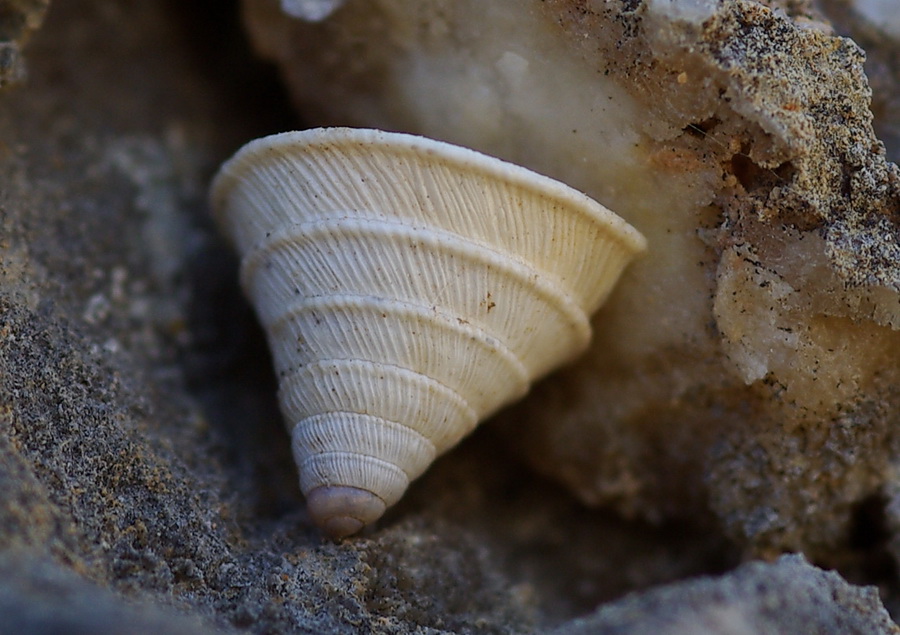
x: 743, y: 373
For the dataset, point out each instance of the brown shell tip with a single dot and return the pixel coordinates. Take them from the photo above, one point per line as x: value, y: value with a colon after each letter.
x: 340, y: 511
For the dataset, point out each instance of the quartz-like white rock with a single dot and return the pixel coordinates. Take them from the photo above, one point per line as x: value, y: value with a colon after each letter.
x: 763, y: 319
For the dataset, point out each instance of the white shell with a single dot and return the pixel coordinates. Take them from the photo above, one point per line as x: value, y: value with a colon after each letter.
x: 409, y: 288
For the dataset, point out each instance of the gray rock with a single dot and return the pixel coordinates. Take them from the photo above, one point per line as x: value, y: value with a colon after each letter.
x: 38, y: 598
x: 789, y: 596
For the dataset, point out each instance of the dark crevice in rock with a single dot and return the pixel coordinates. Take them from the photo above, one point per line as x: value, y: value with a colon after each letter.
x: 754, y: 178
x: 217, y: 46
x: 869, y: 538
x: 228, y: 367
x: 702, y: 128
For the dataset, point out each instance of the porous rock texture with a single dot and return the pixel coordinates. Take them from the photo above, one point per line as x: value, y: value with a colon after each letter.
x: 743, y: 374
x: 146, y: 483
x: 875, y: 26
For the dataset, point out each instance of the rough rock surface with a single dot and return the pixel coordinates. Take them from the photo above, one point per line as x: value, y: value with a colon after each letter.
x: 743, y: 373
x: 875, y: 26
x: 145, y: 479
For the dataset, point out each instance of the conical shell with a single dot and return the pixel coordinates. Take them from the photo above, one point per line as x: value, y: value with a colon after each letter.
x: 409, y: 288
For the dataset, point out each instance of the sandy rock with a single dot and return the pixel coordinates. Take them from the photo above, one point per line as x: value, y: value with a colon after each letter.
x: 874, y: 25
x: 743, y: 371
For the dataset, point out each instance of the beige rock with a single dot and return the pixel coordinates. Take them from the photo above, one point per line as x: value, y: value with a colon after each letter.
x: 743, y: 371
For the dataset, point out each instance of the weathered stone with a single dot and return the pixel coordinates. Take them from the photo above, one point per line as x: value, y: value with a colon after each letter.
x: 875, y: 25
x: 745, y: 366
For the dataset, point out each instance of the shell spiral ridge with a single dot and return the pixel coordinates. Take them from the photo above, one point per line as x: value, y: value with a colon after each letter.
x: 409, y: 289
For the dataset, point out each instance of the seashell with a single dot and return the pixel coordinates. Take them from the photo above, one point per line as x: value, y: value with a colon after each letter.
x: 409, y: 289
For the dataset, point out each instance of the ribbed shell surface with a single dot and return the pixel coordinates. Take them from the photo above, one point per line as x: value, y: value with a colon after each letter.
x: 409, y: 288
